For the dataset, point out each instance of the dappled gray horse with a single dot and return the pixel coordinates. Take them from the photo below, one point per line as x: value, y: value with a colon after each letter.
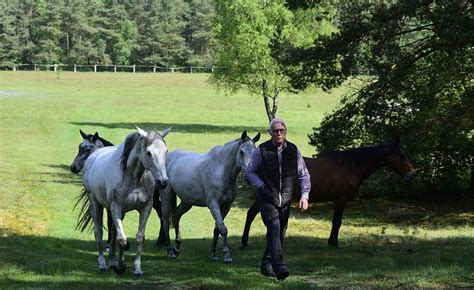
x: 122, y: 178
x: 206, y: 180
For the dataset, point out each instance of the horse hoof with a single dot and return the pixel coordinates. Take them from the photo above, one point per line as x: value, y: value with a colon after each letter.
x: 102, y: 270
x: 176, y: 251
x: 228, y: 261
x: 138, y: 274
x: 171, y: 254
x: 127, y: 246
x: 244, y: 247
x: 120, y: 268
x: 214, y: 258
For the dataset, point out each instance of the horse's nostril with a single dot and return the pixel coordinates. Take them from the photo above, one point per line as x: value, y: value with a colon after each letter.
x: 163, y: 183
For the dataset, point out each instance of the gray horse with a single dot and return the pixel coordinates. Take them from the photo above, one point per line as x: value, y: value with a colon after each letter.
x: 122, y: 178
x: 205, y: 180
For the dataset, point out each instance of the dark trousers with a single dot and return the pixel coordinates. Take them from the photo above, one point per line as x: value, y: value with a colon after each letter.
x: 276, y: 221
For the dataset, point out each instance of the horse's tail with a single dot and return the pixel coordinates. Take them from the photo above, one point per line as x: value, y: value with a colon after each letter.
x: 84, y: 220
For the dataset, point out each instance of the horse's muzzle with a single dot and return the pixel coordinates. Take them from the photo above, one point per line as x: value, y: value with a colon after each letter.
x: 74, y: 169
x: 162, y: 184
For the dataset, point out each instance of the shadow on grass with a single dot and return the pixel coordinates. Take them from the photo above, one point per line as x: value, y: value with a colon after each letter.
x: 38, y: 261
x: 181, y: 128
x: 61, y: 174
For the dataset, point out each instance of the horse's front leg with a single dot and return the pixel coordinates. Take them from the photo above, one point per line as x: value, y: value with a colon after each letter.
x: 216, y: 214
x: 225, y: 247
x: 117, y: 216
x: 97, y: 212
x: 165, y: 220
x: 143, y: 218
x: 177, y: 214
x: 339, y: 206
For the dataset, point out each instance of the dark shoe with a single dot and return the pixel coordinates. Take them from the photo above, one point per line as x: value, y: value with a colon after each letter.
x: 267, y: 270
x: 281, y: 273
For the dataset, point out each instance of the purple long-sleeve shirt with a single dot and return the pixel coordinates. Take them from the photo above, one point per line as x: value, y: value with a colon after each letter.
x: 256, y: 181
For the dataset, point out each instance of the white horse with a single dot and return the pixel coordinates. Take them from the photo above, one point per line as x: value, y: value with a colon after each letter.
x: 122, y: 178
x: 205, y: 180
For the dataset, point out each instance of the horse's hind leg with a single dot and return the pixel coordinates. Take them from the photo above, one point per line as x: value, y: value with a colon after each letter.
x: 165, y: 220
x: 251, y: 214
x: 177, y: 214
x: 97, y: 212
x: 160, y: 240
x: 110, y: 226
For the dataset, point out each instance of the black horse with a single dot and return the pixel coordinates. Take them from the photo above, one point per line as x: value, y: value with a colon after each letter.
x: 337, y: 177
x: 88, y: 145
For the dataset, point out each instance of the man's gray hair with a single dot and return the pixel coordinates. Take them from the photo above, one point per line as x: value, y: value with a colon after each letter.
x: 276, y: 121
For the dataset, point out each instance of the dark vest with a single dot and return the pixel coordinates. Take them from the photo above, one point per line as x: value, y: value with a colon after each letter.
x: 279, y: 189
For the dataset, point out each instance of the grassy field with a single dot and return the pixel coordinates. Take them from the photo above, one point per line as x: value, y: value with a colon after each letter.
x: 384, y: 243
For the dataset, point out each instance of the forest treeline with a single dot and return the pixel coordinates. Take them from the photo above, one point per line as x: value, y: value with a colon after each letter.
x: 152, y: 32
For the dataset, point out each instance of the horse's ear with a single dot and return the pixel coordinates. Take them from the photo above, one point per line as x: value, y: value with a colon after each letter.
x: 165, y: 132
x: 84, y: 135
x: 95, y: 137
x: 141, y: 131
x: 244, y: 135
x: 256, y: 138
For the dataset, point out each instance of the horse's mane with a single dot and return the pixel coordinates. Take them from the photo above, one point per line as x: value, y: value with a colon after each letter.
x: 131, y: 141
x: 105, y: 142
x: 217, y: 148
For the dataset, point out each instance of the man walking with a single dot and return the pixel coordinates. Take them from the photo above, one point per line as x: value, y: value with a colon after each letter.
x: 275, y: 168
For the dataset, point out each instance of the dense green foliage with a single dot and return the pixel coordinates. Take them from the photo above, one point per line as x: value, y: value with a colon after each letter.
x: 422, y: 52
x: 155, y: 32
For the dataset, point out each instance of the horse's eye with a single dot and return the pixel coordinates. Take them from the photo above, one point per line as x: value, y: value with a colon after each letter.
x: 148, y: 153
x: 241, y: 152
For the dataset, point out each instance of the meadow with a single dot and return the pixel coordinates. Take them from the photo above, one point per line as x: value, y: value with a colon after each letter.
x: 384, y: 243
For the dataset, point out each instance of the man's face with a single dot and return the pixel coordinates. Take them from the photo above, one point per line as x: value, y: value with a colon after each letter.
x: 278, y: 133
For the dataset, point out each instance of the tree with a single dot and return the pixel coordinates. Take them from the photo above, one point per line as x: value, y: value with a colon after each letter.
x: 422, y: 53
x: 198, y: 32
x: 160, y: 34
x: 9, y: 41
x: 46, y: 33
x: 250, y: 35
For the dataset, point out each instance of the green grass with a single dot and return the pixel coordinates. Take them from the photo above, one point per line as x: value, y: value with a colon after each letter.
x: 384, y: 243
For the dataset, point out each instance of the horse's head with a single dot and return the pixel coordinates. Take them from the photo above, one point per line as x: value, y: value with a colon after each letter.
x: 153, y: 154
x: 246, y: 148
x: 89, y: 144
x: 398, y: 161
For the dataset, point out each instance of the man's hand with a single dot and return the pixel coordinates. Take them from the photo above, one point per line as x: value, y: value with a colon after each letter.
x: 303, y: 204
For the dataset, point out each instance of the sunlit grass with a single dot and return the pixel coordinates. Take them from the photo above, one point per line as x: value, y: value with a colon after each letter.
x: 384, y: 243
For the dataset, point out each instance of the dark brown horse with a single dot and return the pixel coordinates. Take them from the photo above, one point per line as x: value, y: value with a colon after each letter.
x: 337, y: 177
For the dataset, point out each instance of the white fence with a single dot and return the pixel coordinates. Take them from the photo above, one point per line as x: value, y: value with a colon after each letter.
x: 106, y: 68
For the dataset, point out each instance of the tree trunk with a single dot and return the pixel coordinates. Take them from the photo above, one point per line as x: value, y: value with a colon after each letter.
x: 271, y: 111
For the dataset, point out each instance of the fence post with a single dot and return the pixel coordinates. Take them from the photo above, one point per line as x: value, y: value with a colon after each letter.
x: 172, y: 70
x: 191, y: 69
x: 95, y: 68
x: 133, y: 68
x: 154, y: 69
x: 14, y: 67
x: 115, y: 68
x: 55, y: 68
